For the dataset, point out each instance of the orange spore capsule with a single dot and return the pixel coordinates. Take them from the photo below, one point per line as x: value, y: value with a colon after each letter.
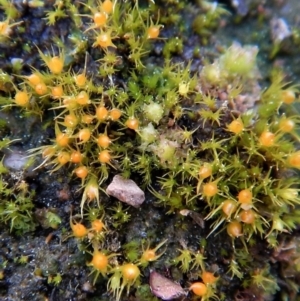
x: 104, y: 156
x: 101, y: 113
x: 115, y: 114
x: 34, y: 79
x: 70, y: 121
x: 92, y: 192
x: 84, y: 135
x: 22, y: 98
x: 132, y: 123
x: 107, y: 6
x: 104, y: 40
x: 76, y: 157
x: 81, y: 172
x: 79, y: 230
x: 130, y: 272
x: 208, y: 277
x: 229, y: 207
x: 247, y: 216
x: 236, y: 126
x: 199, y: 289
x: 99, y: 261
x: 234, y: 229
x: 286, y: 125
x: 210, y: 189
x: 4, y: 28
x: 55, y: 64
x: 70, y: 102
x: 205, y: 171
x: 294, y: 160
x: 149, y: 255
x: 153, y: 32
x: 80, y: 79
x: 41, y: 89
x: 57, y: 92
x: 288, y: 96
x: 267, y: 139
x: 87, y: 119
x: 100, y: 19
x: 48, y: 152
x: 98, y: 225
x: 63, y: 157
x: 62, y: 140
x: 245, y: 199
x: 83, y: 98
x: 103, y: 141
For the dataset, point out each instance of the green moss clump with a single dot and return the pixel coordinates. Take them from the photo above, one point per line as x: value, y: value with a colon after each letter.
x: 16, y: 207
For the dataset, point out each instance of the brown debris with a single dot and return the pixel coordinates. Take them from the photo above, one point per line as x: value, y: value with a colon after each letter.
x: 197, y: 217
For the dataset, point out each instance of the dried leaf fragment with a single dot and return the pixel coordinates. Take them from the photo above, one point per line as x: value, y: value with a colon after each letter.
x: 126, y: 190
x: 197, y: 217
x: 165, y: 288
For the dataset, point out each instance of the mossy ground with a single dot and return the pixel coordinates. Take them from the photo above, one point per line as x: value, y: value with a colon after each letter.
x: 32, y: 265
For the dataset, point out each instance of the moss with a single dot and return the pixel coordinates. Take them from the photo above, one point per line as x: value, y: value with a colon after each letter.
x: 16, y: 207
x: 170, y: 124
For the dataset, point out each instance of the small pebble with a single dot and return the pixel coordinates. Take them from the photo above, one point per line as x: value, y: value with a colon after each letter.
x: 126, y: 190
x: 15, y: 161
x: 87, y: 287
x: 165, y: 288
x: 279, y: 30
